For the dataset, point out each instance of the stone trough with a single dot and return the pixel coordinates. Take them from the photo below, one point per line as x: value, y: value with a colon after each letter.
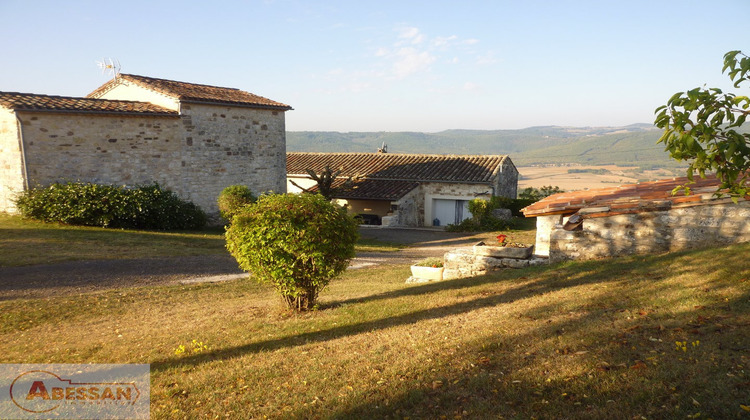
x: 480, y: 259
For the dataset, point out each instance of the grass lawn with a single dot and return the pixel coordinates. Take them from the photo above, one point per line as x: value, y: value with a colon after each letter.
x: 28, y: 242
x: 660, y: 336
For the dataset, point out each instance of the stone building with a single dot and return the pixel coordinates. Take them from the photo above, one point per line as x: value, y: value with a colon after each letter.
x: 637, y: 219
x: 192, y: 139
x: 409, y: 189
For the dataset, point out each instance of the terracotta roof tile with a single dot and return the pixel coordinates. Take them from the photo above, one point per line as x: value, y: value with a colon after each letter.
x: 402, y: 167
x: 374, y: 189
x: 628, y: 198
x: 192, y: 92
x: 33, y: 102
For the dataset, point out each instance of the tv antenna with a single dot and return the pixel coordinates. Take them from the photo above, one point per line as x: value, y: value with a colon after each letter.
x: 109, y: 66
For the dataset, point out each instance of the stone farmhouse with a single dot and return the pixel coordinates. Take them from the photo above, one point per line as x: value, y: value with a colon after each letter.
x: 190, y: 138
x: 637, y: 219
x: 409, y: 189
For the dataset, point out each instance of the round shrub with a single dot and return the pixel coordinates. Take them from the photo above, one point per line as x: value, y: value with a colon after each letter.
x: 298, y: 243
x: 87, y: 204
x: 233, y: 198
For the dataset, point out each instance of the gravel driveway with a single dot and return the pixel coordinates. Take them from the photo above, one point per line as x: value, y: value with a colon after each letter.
x: 76, y: 277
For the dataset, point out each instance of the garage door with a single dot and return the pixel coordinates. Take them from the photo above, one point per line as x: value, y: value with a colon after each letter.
x: 450, y: 212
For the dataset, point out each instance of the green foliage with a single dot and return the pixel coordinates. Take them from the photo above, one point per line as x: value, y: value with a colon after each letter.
x: 298, y: 243
x: 536, y: 194
x: 482, y: 219
x: 434, y: 262
x: 519, y: 203
x: 87, y: 204
x: 589, y: 171
x: 703, y: 126
x: 232, y: 199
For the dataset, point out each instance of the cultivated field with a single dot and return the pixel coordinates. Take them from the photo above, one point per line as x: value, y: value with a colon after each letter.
x: 593, y: 177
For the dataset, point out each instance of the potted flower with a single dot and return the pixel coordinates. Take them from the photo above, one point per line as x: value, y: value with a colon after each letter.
x: 502, y: 241
x: 504, y: 249
x: 429, y: 269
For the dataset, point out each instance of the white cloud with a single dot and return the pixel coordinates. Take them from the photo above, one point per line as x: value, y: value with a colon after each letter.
x: 469, y: 86
x: 411, y: 60
x: 414, y: 53
x: 487, y: 58
x: 443, y: 41
x: 411, y: 35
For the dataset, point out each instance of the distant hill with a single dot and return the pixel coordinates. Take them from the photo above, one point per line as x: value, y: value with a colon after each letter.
x: 628, y: 145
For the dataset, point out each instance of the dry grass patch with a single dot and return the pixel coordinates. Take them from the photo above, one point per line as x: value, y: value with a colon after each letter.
x: 29, y: 242
x: 578, y: 340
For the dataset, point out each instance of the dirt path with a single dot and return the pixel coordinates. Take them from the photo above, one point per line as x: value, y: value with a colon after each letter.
x: 75, y: 277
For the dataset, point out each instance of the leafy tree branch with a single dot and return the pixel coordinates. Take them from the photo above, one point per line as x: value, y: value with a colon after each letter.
x: 704, y: 126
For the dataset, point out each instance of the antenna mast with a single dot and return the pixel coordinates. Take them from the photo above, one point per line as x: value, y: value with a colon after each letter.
x: 109, y: 65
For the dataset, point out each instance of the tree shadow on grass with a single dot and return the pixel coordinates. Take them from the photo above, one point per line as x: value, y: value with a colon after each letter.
x: 605, y: 360
x: 552, y: 279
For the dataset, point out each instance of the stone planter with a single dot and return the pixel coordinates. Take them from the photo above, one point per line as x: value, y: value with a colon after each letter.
x: 503, y: 252
x: 427, y: 273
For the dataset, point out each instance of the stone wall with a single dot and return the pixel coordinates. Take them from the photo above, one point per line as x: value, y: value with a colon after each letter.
x: 103, y: 149
x: 11, y: 167
x: 408, y: 212
x: 480, y: 259
x: 231, y: 145
x: 506, y: 183
x: 196, y: 155
x: 702, y: 226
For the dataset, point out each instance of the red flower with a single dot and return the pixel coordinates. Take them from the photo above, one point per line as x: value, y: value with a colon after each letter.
x: 501, y: 238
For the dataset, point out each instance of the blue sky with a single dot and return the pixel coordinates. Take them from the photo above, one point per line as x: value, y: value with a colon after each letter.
x: 390, y: 65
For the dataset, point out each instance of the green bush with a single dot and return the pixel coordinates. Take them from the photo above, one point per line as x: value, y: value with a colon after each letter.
x: 87, y: 204
x: 298, y: 243
x: 233, y: 198
x: 517, y: 204
x: 536, y: 194
x: 434, y: 262
x: 491, y: 224
x: 482, y: 219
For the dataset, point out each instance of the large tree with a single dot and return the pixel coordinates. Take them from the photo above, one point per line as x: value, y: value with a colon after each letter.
x: 704, y: 126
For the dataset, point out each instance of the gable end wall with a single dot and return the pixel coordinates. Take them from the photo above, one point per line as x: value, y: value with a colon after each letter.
x: 506, y: 181
x: 226, y: 145
x: 11, y: 169
x: 129, y: 91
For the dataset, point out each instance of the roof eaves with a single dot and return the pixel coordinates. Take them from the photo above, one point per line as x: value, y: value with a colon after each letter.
x: 237, y: 104
x: 88, y: 111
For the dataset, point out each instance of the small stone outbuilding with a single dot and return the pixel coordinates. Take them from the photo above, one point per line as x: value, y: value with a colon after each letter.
x: 409, y: 189
x: 193, y: 139
x: 637, y: 219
